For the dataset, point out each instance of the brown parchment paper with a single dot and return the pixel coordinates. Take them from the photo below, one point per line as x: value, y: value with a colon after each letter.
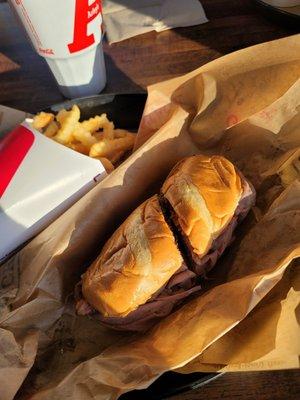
x: 245, y: 106
x: 268, y: 338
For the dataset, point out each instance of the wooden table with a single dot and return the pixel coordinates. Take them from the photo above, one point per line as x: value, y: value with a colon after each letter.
x: 26, y: 83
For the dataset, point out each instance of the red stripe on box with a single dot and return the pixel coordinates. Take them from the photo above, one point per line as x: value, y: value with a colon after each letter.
x: 13, y: 149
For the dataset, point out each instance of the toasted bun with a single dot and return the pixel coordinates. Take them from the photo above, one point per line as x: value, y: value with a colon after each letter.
x: 204, y: 193
x: 136, y: 262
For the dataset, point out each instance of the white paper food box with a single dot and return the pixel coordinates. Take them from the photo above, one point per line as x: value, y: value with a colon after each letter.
x: 39, y: 180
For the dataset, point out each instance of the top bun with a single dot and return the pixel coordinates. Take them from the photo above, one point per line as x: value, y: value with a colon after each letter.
x: 136, y: 262
x: 204, y: 192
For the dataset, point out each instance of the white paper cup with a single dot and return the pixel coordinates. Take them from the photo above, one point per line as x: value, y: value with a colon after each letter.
x: 68, y: 35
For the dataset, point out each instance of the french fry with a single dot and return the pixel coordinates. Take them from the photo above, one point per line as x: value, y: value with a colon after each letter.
x: 106, y: 164
x: 51, y: 129
x: 98, y: 136
x: 81, y: 148
x: 41, y: 120
x: 98, y: 149
x: 83, y: 136
x: 108, y: 130
x: 68, y: 121
x: 120, y: 133
x: 95, y: 123
x: 116, y: 156
x: 106, y: 147
x: 95, y: 137
x: 61, y: 115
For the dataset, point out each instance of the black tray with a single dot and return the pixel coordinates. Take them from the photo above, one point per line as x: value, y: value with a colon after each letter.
x: 125, y: 110
x: 281, y: 16
x: 169, y: 384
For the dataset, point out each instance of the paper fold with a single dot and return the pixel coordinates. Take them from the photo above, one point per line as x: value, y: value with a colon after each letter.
x: 254, y: 280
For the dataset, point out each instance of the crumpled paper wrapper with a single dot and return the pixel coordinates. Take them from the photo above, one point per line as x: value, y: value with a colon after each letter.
x: 245, y: 106
x: 127, y: 18
x: 268, y: 338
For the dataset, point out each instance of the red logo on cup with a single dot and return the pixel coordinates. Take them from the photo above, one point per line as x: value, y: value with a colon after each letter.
x: 84, y: 14
x: 13, y: 149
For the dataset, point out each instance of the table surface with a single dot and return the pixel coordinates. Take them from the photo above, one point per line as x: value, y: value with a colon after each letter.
x: 26, y: 83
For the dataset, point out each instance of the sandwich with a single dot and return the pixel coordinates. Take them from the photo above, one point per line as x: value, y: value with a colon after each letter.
x: 161, y: 253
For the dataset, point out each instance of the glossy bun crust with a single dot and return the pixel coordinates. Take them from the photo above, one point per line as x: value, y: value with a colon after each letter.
x: 203, y: 193
x: 136, y: 262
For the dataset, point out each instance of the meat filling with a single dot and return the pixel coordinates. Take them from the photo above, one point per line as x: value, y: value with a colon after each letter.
x: 181, y: 285
x: 184, y: 282
x: 202, y: 264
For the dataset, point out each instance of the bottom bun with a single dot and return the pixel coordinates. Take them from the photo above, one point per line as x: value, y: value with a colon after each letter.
x: 181, y: 285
